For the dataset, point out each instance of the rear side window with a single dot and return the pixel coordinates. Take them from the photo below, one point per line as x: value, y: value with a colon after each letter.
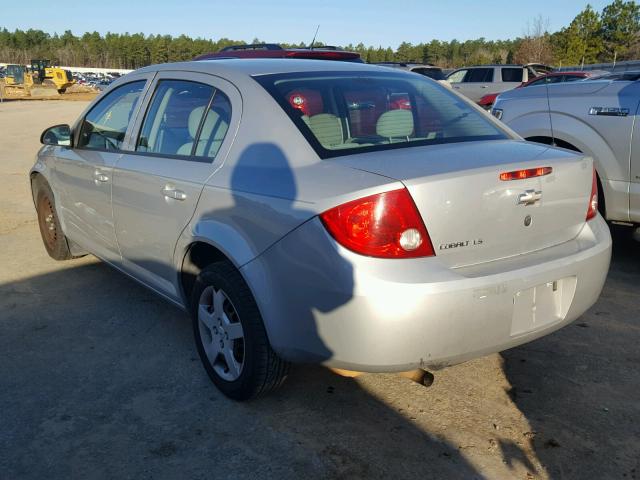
x: 477, y: 75
x: 105, y: 125
x: 185, y: 118
x: 342, y: 113
x: 512, y: 74
x: 214, y: 127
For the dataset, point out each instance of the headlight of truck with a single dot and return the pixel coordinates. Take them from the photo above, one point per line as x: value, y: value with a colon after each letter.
x: 497, y: 112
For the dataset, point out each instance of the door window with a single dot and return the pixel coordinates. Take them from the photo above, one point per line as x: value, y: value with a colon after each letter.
x: 479, y: 75
x: 457, y: 77
x: 512, y: 74
x: 214, y: 127
x: 105, y: 125
x: 176, y: 118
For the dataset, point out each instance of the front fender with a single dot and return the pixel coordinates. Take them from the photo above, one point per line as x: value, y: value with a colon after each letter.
x: 42, y: 167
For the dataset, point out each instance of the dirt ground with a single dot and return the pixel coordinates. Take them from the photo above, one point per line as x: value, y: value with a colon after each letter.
x: 99, y: 378
x: 76, y: 93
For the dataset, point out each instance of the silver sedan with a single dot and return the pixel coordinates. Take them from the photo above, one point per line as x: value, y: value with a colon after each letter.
x: 333, y: 213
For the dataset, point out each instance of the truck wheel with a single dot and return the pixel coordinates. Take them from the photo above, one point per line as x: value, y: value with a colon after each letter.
x: 53, y: 237
x: 230, y: 335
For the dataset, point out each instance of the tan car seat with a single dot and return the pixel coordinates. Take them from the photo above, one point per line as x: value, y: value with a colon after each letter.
x: 395, y: 125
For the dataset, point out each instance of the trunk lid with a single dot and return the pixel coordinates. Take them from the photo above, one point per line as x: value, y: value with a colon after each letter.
x: 471, y: 215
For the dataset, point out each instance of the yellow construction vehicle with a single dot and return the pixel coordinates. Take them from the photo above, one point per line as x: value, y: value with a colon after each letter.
x: 56, y: 76
x: 37, y: 81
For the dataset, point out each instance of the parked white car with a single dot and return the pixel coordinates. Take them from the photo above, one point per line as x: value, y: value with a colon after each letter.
x: 595, y: 117
x: 475, y: 82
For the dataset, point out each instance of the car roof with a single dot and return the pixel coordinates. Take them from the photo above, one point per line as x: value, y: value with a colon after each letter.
x: 510, y: 65
x: 406, y: 64
x: 574, y: 72
x: 231, y: 67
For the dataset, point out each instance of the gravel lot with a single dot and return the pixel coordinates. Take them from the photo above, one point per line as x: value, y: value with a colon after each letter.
x: 99, y: 379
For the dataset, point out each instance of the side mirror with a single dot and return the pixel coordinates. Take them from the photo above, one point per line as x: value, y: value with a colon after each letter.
x: 57, y: 135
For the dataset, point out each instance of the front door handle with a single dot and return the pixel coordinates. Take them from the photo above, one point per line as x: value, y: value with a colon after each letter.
x: 171, y: 192
x: 101, y: 177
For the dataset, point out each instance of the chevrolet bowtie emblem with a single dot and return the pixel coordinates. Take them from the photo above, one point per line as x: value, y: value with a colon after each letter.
x: 530, y: 197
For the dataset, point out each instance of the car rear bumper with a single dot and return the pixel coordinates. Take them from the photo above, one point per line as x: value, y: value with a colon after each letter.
x: 324, y: 304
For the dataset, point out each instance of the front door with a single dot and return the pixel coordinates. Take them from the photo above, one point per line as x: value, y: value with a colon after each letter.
x: 182, y: 140
x: 84, y: 173
x: 476, y: 83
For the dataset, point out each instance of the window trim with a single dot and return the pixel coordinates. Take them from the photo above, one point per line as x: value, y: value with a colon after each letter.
x: 98, y: 100
x: 191, y: 157
x: 268, y: 82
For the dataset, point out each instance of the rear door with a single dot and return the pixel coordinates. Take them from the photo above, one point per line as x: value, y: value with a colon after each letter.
x: 83, y: 174
x: 476, y: 83
x: 181, y: 141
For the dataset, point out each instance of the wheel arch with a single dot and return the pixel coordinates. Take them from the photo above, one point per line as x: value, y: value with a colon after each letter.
x: 197, y: 255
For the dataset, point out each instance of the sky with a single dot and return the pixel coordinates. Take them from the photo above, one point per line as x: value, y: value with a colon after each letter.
x: 386, y: 23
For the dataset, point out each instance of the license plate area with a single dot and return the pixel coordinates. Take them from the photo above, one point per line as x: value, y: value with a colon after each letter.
x: 544, y: 304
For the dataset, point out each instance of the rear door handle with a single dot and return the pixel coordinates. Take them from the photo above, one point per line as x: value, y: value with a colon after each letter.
x: 101, y: 177
x: 171, y: 192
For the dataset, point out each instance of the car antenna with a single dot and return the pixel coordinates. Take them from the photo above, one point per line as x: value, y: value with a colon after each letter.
x: 314, y: 38
x: 546, y: 86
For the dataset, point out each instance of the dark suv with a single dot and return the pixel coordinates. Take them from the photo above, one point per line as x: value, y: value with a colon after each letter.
x: 271, y: 50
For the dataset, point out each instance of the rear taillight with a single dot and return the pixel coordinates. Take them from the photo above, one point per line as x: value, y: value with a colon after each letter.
x: 385, y: 225
x: 592, y: 210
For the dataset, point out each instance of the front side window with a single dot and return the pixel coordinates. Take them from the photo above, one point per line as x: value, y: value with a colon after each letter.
x: 537, y: 81
x: 343, y: 113
x: 512, y: 74
x: 457, y: 77
x: 174, y: 117
x: 479, y: 75
x: 105, y: 125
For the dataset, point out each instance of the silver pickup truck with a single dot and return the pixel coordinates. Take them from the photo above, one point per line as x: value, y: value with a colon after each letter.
x: 595, y: 117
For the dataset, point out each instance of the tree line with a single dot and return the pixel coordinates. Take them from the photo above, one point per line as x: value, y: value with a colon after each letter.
x: 610, y: 35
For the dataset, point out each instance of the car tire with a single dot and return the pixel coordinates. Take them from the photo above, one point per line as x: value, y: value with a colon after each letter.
x: 230, y: 335
x: 53, y: 237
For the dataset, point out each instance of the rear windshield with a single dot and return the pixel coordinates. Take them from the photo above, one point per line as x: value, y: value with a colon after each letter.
x: 434, y: 73
x: 351, y: 112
